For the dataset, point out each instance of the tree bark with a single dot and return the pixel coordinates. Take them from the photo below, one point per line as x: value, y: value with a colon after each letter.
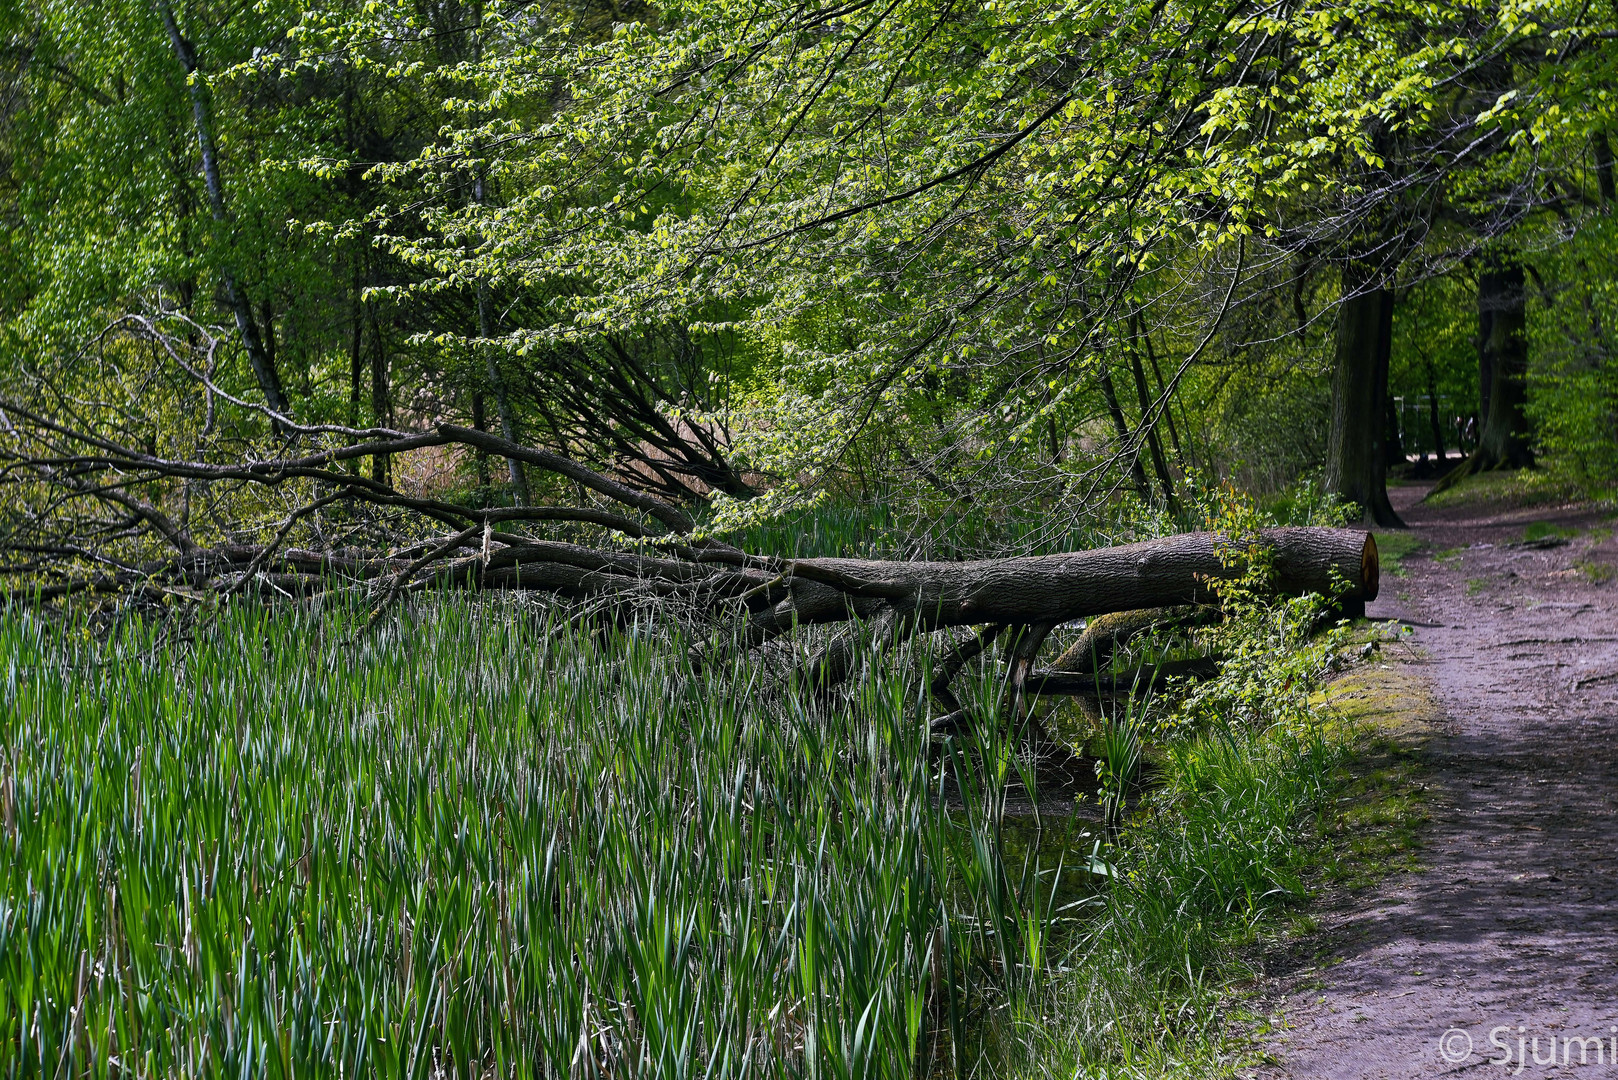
x: 502, y: 400
x: 1159, y: 463
x: 1502, y: 372
x: 1432, y: 410
x: 1025, y: 645
x: 1057, y: 681
x: 1486, y: 358
x: 1356, y: 463
x: 356, y: 354
x: 479, y: 423
x: 1157, y: 373
x: 1104, y: 634
x: 381, y: 398
x: 484, y: 546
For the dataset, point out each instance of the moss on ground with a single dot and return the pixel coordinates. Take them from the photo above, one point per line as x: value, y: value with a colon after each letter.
x: 1536, y: 531
x: 1506, y: 488
x: 1599, y: 573
x: 1368, y: 828
x: 1373, y: 825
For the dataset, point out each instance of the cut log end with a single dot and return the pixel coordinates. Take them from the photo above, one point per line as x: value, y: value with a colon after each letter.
x: 1370, y: 570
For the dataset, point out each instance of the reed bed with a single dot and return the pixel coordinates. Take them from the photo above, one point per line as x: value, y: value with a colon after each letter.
x: 484, y: 842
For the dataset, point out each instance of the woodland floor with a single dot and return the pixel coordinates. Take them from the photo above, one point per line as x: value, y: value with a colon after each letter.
x: 1512, y: 920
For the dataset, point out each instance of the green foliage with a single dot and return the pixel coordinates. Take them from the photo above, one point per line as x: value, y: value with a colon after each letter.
x: 1435, y: 355
x: 1222, y: 845
x: 920, y: 272
x: 917, y: 244
x: 1573, y: 387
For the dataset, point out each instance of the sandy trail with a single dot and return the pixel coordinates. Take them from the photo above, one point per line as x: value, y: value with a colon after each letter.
x: 1511, y: 930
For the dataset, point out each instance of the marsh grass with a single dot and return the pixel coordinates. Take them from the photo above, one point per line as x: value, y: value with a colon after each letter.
x: 1221, y: 850
x: 486, y: 843
x: 1219, y: 854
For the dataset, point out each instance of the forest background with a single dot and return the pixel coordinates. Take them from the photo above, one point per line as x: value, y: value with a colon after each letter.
x: 327, y: 306
x: 755, y: 257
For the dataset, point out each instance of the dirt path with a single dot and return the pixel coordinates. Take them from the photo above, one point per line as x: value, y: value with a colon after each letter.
x: 1511, y: 931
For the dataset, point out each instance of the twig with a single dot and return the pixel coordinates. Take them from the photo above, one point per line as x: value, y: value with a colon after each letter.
x: 404, y: 575
x: 281, y: 534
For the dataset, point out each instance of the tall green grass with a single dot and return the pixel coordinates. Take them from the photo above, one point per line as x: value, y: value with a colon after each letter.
x: 484, y: 842
x: 1226, y: 837
x: 1145, y: 987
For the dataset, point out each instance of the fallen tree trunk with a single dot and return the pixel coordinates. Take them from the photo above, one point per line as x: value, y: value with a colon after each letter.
x: 1060, y: 588
x: 1105, y: 634
x: 95, y: 505
x: 1138, y: 681
x: 91, y: 508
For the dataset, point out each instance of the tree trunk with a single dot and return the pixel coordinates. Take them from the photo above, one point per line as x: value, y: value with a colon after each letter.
x: 356, y: 354
x: 479, y: 421
x: 1057, y: 588
x: 1137, y: 474
x: 1168, y: 403
x: 1502, y: 370
x: 356, y: 362
x: 771, y: 596
x: 1503, y: 349
x: 502, y: 400
x: 1057, y: 681
x: 1485, y: 363
x: 1159, y: 463
x: 1356, y: 465
x: 1105, y: 634
x: 381, y: 403
x: 1432, y: 411
x: 258, y: 358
